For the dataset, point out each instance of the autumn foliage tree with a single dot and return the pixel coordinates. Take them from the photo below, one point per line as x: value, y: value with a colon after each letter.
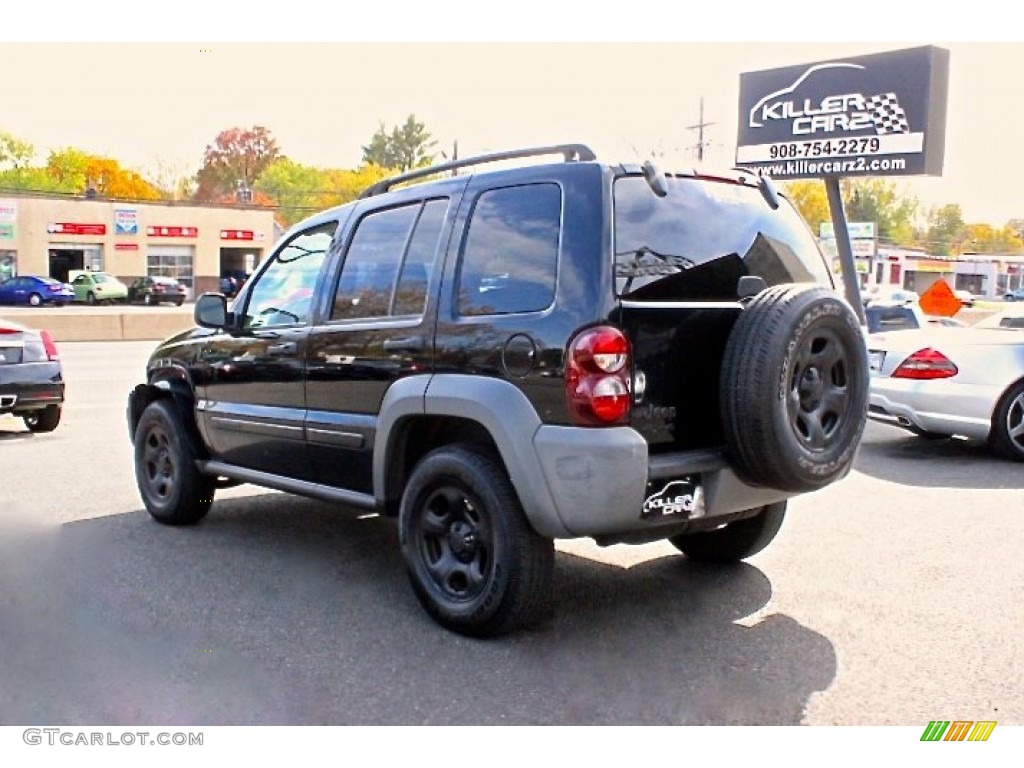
x: 79, y: 171
x: 238, y: 156
x: 300, y: 190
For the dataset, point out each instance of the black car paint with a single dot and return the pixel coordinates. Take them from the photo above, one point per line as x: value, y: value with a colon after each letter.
x: 311, y: 413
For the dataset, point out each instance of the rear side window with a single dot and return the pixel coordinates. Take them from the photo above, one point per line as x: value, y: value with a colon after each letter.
x: 698, y: 240
x: 389, y: 262
x: 510, y: 257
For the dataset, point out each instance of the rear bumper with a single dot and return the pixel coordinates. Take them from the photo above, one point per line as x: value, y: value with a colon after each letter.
x: 30, y: 386
x: 940, y: 406
x: 600, y: 479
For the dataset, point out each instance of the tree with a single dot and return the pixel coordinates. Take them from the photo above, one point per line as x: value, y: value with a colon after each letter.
x: 78, y: 171
x: 809, y: 197
x: 237, y: 156
x: 406, y: 147
x: 300, y: 190
x: 15, y: 152
x: 945, y: 229
x: 878, y: 201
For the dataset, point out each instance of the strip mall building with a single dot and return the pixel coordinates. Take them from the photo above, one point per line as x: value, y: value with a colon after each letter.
x: 195, y: 244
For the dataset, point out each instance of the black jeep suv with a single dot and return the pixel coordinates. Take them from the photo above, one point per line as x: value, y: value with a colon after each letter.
x: 502, y: 358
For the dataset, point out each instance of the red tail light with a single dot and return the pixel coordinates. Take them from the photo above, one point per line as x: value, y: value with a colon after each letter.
x: 597, y: 377
x: 926, y: 363
x: 55, y: 287
x: 49, y: 346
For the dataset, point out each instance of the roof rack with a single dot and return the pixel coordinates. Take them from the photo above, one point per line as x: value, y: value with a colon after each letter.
x: 571, y: 152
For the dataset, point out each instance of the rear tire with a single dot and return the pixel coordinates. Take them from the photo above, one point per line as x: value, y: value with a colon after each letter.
x: 736, y: 541
x: 90, y: 298
x: 35, y: 300
x: 44, y: 420
x: 1007, y: 434
x: 174, y: 491
x: 475, y: 564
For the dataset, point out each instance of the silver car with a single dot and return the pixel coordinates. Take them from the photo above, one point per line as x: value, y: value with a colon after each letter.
x: 938, y: 382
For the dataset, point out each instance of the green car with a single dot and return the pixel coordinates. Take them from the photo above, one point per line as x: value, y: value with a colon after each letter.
x: 97, y: 287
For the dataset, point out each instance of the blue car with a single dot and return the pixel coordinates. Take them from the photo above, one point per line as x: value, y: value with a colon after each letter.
x: 35, y: 291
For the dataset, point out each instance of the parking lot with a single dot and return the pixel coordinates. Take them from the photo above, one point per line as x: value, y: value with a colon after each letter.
x: 890, y: 598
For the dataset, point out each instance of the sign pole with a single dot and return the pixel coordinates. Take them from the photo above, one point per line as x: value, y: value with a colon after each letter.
x: 851, y: 283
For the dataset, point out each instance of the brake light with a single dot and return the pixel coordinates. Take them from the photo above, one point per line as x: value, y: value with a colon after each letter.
x: 55, y: 287
x: 926, y: 363
x: 51, y: 348
x: 597, y: 377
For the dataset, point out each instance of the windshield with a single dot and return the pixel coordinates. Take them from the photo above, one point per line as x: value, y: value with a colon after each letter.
x: 99, y: 277
x: 1008, y: 319
x: 698, y: 240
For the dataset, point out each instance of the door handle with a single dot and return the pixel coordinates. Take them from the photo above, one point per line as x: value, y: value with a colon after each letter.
x: 285, y: 348
x: 406, y: 344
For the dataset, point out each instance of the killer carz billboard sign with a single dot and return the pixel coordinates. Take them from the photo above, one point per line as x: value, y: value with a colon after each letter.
x: 877, y: 115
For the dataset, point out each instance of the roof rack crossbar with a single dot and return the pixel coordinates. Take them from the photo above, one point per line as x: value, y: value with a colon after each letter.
x: 571, y: 153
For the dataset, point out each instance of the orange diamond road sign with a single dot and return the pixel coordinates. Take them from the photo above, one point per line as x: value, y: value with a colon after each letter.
x: 939, y: 300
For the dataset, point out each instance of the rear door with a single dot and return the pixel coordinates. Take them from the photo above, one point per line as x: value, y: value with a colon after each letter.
x: 376, y: 330
x: 678, y: 261
x: 254, y: 407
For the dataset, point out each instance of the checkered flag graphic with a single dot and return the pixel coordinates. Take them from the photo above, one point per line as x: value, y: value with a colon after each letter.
x: 887, y: 114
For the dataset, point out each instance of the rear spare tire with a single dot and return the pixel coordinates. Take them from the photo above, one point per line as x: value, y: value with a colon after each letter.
x: 794, y: 388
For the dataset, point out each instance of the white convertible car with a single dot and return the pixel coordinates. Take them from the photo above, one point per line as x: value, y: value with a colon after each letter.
x: 938, y: 382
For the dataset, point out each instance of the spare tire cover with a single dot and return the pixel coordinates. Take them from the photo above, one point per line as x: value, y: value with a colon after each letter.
x: 794, y: 388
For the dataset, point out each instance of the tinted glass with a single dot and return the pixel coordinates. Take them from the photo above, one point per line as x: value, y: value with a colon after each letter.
x: 698, y: 240
x: 510, y: 257
x: 370, y: 271
x: 411, y: 296
x: 283, y: 294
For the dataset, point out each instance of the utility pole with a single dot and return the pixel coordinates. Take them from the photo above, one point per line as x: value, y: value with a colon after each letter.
x: 699, y: 127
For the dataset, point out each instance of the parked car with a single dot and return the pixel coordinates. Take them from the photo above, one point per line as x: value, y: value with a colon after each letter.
x: 894, y: 317
x: 154, y: 290
x: 31, y: 377
x: 966, y: 297
x: 882, y: 318
x: 897, y: 296
x: 476, y: 356
x: 230, y: 285
x: 35, y: 291
x: 97, y: 287
x: 938, y: 382
x: 1017, y: 294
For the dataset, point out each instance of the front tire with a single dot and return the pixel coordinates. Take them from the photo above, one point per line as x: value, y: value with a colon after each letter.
x: 172, y: 488
x: 474, y: 562
x: 43, y: 420
x: 1007, y: 435
x: 90, y: 298
x: 736, y: 541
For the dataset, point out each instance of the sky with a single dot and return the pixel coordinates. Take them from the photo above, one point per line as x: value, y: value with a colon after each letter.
x: 620, y: 84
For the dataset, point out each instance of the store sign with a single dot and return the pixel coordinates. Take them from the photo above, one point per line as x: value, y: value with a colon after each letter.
x: 8, y: 210
x: 6, y: 231
x: 126, y: 221
x: 172, y: 231
x: 878, y: 115
x: 126, y: 246
x: 73, y: 228
x: 858, y: 230
x: 236, y: 234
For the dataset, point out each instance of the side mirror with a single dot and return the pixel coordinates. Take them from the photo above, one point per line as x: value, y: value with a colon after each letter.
x: 211, y: 311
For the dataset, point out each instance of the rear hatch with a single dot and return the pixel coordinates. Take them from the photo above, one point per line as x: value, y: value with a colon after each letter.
x: 679, y: 258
